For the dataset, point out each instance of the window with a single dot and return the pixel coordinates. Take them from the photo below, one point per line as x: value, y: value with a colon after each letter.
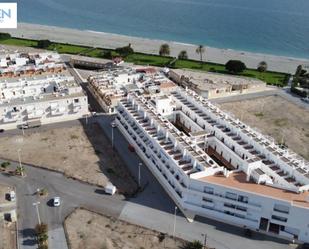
x: 281, y: 208
x: 241, y: 208
x: 242, y: 198
x: 76, y: 100
x: 207, y: 200
x: 240, y: 216
x: 209, y: 190
x: 229, y: 205
x: 231, y: 196
x: 283, y: 219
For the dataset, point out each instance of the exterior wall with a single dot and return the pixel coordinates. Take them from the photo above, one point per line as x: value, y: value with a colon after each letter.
x: 55, y: 110
x: 217, y: 205
x: 199, y: 197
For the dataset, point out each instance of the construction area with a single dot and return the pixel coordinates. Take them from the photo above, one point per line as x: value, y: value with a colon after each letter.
x: 80, y: 152
x: 275, y: 116
x: 89, y: 230
x: 7, y: 219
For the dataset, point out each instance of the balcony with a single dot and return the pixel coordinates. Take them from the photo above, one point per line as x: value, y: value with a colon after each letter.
x: 37, y: 113
x: 58, y: 111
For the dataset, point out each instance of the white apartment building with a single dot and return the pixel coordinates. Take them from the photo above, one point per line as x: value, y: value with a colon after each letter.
x: 215, y: 166
x: 44, y: 98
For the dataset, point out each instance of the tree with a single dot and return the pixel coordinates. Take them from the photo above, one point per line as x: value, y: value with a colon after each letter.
x: 42, y: 234
x: 5, y: 36
x: 200, y: 50
x: 235, y: 66
x: 41, y: 228
x: 183, y: 55
x: 20, y: 170
x: 298, y: 70
x: 262, y: 67
x: 107, y: 54
x: 4, y: 165
x: 164, y: 50
x: 125, y: 51
x: 194, y: 245
x: 44, y: 43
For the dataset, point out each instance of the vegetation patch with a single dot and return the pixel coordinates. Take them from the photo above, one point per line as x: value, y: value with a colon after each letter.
x: 280, y: 122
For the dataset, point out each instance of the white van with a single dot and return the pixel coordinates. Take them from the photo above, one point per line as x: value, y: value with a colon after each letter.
x: 12, y: 196
x: 110, y: 189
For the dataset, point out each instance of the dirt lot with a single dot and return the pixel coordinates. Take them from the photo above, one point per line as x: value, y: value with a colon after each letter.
x: 87, y: 230
x: 276, y: 117
x: 85, y: 154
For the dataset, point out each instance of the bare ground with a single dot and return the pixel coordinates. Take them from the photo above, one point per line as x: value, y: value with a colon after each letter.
x: 277, y: 117
x: 88, y: 230
x: 78, y: 152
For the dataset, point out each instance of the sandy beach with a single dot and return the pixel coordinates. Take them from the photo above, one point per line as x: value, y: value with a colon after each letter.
x: 107, y: 40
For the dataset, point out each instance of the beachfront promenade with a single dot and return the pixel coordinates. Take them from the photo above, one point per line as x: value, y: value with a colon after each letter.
x: 106, y: 40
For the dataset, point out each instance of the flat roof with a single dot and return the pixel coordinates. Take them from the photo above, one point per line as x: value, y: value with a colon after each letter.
x: 207, y: 80
x: 238, y: 181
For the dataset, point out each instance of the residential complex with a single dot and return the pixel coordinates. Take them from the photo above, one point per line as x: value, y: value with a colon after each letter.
x: 38, y: 88
x: 215, y: 166
x: 214, y: 85
x: 111, y: 85
x: 28, y: 64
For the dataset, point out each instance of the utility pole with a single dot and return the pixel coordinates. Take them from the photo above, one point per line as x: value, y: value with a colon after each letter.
x: 175, y: 215
x: 112, y: 137
x: 205, y: 240
x: 36, y: 204
x: 139, y: 174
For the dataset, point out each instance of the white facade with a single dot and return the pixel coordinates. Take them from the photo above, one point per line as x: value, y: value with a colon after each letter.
x: 255, y: 184
x: 47, y: 98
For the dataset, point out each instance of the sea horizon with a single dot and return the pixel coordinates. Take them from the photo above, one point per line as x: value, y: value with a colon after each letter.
x: 239, y: 26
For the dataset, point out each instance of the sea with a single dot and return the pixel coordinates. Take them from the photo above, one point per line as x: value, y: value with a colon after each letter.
x: 279, y: 27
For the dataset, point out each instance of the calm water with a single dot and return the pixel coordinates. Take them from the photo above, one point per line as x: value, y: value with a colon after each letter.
x: 270, y: 26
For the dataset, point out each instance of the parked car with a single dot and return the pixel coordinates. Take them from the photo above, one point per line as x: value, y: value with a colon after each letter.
x: 131, y: 148
x: 28, y: 125
x: 1, y: 130
x: 305, y: 99
x: 56, y: 201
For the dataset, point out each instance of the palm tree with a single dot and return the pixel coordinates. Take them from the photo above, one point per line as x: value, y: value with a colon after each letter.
x: 262, y: 67
x: 183, y: 55
x: 20, y: 170
x: 200, y: 50
x: 164, y: 50
x: 194, y: 245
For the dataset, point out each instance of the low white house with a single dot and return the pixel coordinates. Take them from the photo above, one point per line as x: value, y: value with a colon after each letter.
x: 47, y: 98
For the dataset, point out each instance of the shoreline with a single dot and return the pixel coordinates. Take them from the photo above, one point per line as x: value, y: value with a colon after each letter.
x: 151, y: 46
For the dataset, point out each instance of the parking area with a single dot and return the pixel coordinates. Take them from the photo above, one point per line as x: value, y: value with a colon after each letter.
x: 7, y: 218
